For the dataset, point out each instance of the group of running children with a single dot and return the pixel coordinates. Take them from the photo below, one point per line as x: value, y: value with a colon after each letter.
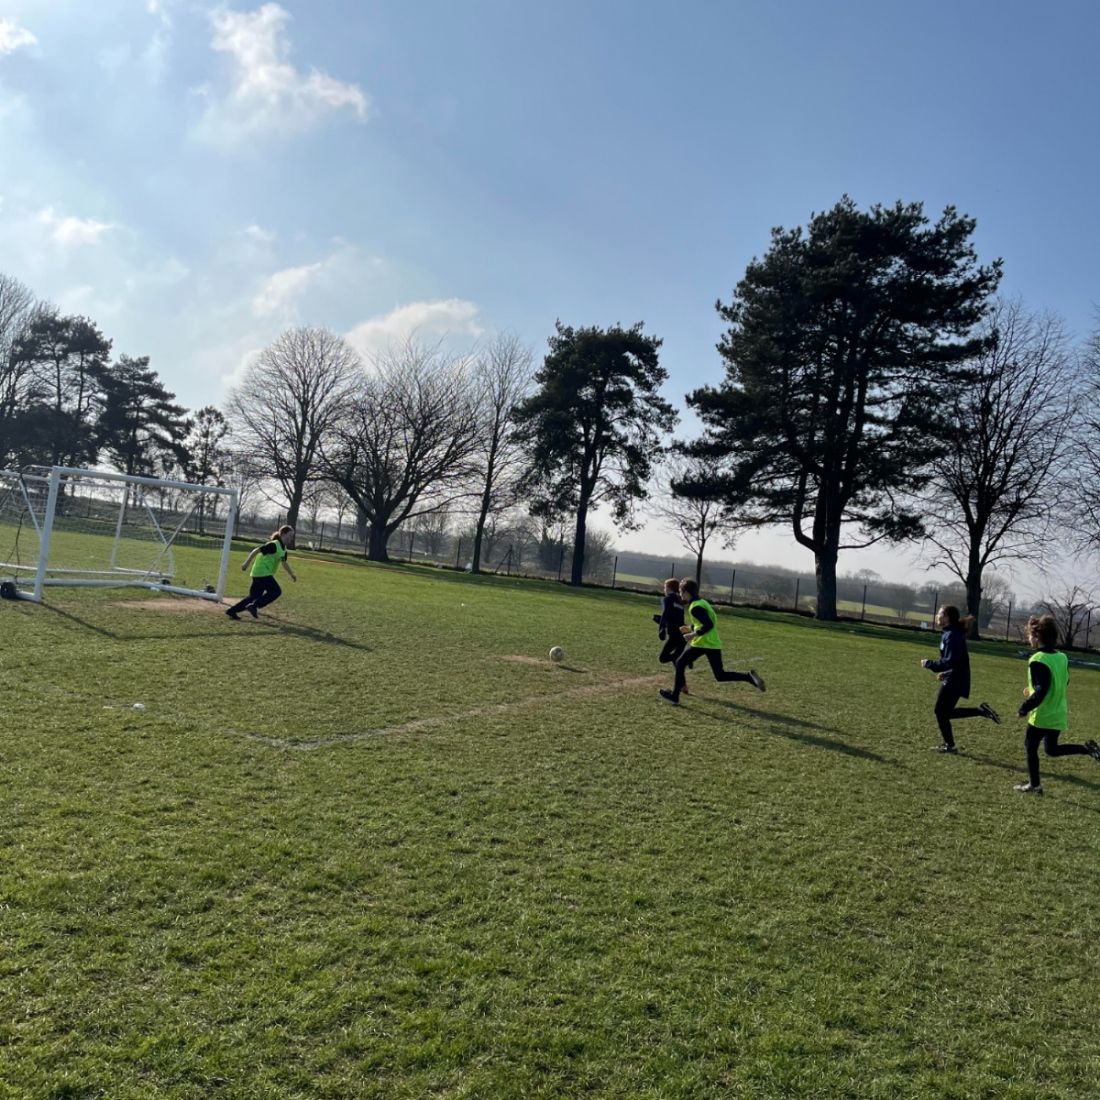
x: 1044, y: 705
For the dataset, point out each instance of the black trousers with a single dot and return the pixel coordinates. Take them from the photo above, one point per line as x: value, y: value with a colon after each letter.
x: 672, y: 648
x: 1036, y: 735
x: 264, y: 590
x: 691, y: 654
x: 947, y: 708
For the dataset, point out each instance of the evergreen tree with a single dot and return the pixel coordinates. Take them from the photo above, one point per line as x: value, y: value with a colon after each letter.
x: 594, y: 426
x: 841, y: 343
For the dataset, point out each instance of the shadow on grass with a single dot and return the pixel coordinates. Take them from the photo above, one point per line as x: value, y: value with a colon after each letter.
x: 1050, y: 771
x: 795, y: 729
x: 270, y: 626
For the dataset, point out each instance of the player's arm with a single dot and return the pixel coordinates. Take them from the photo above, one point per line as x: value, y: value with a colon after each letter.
x: 248, y: 560
x: 1042, y: 679
x: 706, y: 624
x: 286, y: 566
x: 950, y: 658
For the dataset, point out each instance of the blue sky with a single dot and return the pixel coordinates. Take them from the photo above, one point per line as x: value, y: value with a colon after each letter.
x: 197, y: 176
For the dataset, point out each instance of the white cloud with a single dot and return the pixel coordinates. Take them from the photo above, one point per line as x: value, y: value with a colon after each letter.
x: 280, y: 291
x: 258, y: 234
x: 268, y: 95
x: 72, y: 231
x: 446, y: 317
x: 14, y: 37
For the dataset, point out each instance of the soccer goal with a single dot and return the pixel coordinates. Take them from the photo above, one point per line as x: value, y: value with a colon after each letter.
x: 90, y: 528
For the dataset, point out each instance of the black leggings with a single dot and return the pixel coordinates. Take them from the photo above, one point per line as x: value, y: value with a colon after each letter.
x: 1035, y: 736
x: 672, y: 648
x: 264, y: 590
x: 947, y: 708
x: 692, y: 654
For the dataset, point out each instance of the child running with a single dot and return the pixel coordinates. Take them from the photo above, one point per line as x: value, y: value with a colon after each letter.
x: 1045, y: 706
x: 953, y: 670
x: 265, y: 588
x: 702, y: 641
x: 669, y: 622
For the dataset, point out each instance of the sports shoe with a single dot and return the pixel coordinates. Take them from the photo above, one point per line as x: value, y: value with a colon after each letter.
x: 684, y: 690
x: 669, y: 697
x: 252, y: 611
x: 757, y: 680
x: 1027, y: 788
x: 946, y: 748
x: 233, y: 614
x: 990, y: 713
x: 1094, y: 750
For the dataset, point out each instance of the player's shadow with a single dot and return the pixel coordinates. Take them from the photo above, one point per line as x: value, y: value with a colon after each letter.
x: 268, y: 625
x: 796, y: 729
x: 1044, y: 763
x: 311, y: 634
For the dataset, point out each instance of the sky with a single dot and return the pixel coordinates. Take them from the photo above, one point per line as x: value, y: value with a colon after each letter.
x: 196, y: 177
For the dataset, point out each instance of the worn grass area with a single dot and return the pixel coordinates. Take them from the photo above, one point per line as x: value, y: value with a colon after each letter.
x: 375, y: 845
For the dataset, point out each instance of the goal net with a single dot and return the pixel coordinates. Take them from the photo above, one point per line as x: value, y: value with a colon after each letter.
x: 90, y: 528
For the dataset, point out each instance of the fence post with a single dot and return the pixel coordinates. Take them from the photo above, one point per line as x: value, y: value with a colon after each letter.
x: 1008, y: 620
x: 412, y: 538
x: 561, y: 562
x: 797, y: 588
x: 935, y: 604
x: 321, y: 541
x: 863, y: 609
x: 1088, y: 626
x: 671, y: 570
x: 615, y: 571
x: 733, y: 577
x: 508, y: 568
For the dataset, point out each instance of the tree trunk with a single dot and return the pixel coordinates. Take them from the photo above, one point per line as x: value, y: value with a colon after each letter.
x: 376, y: 543
x: 295, y: 506
x: 973, y: 598
x: 576, y: 574
x: 479, y: 532
x: 825, y: 570
x: 699, y: 567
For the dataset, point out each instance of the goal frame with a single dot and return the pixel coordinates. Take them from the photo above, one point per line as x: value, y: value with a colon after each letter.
x: 117, y: 576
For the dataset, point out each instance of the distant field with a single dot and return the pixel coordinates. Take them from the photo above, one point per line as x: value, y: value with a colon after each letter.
x: 377, y: 845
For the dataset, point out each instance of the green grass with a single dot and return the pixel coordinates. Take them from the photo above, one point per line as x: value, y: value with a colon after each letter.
x: 358, y: 849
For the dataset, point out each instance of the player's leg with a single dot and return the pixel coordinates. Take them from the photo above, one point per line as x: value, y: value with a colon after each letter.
x: 714, y: 656
x: 271, y: 592
x: 946, y: 699
x: 1052, y: 748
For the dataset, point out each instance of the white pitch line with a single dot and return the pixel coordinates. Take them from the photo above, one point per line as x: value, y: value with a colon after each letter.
x: 446, y: 719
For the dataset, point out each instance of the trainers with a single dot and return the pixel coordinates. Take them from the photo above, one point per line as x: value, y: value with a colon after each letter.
x: 1028, y: 788
x: 990, y: 713
x: 233, y: 614
x: 252, y: 611
x: 946, y: 748
x: 757, y: 680
x: 684, y: 690
x: 1094, y: 750
x: 669, y: 697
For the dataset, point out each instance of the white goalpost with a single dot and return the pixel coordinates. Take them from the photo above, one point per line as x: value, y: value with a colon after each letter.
x: 95, y: 529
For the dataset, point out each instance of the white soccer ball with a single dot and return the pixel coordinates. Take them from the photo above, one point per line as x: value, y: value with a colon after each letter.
x: 557, y: 653
x: 139, y: 706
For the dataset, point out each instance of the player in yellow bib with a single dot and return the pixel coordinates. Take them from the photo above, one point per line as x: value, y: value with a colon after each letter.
x: 703, y: 641
x: 265, y: 560
x: 1045, y: 706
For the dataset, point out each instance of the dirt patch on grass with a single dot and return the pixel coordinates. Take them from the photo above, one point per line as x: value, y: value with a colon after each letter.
x: 519, y: 659
x: 172, y: 603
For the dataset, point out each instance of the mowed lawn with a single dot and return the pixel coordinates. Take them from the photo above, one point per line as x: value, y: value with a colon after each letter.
x: 376, y: 845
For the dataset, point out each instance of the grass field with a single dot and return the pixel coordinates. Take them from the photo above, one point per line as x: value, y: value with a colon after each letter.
x: 375, y: 845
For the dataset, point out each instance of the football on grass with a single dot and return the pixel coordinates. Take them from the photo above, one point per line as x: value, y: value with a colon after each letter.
x: 557, y: 653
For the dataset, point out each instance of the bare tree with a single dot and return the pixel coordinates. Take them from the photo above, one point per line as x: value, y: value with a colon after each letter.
x: 407, y: 440
x: 1088, y: 446
x: 289, y: 399
x: 695, y: 519
x: 18, y: 310
x: 998, y: 492
x: 1072, y: 607
x: 502, y: 379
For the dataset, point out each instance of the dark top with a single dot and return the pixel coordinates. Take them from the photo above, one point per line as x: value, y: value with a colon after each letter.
x: 1042, y: 679
x: 272, y: 547
x: 954, y: 660
x: 671, y: 617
